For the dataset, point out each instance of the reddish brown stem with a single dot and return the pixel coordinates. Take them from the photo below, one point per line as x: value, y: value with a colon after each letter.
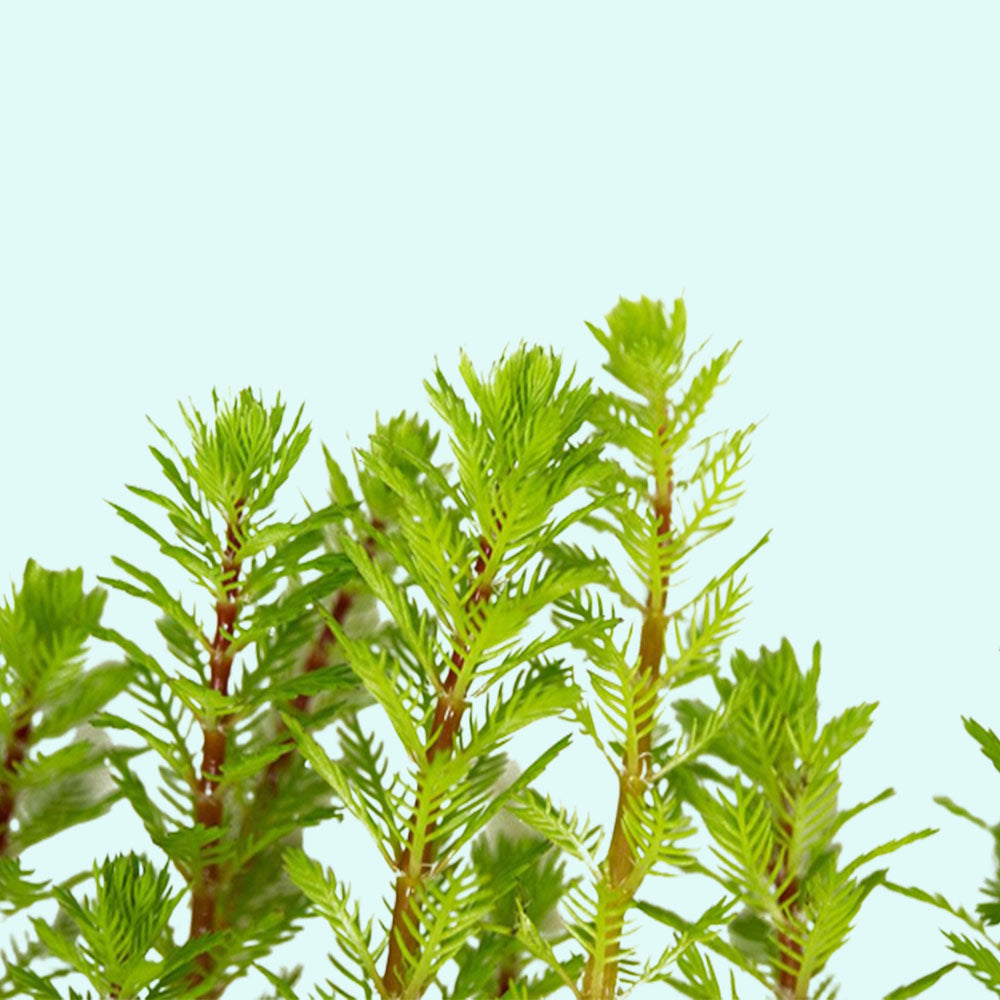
x: 269, y: 783
x: 789, y: 948
x: 620, y: 862
x: 14, y: 755
x: 506, y: 979
x: 208, y: 803
x: 788, y: 972
x: 318, y: 657
x: 446, y: 721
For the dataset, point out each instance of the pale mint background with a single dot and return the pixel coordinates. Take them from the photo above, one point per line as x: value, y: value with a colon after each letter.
x: 319, y: 198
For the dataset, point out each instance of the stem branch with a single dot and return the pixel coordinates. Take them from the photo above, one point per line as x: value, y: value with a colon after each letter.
x: 444, y: 727
x: 208, y: 802
x: 789, y: 963
x: 317, y: 658
x: 600, y: 976
x: 14, y: 755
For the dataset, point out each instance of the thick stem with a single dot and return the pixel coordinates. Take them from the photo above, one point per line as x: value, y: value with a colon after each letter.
x: 269, y: 783
x: 789, y: 965
x: 447, y: 719
x: 208, y: 803
x: 14, y: 755
x: 600, y: 976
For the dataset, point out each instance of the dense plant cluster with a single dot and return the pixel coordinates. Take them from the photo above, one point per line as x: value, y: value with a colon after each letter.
x: 545, y: 564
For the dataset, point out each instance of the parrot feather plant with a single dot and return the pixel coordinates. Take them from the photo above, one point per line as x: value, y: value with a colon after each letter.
x: 670, y: 495
x: 773, y: 826
x: 46, y: 694
x: 213, y: 714
x: 480, y: 556
x: 978, y: 955
x: 222, y: 818
x: 436, y: 609
x: 43, y: 631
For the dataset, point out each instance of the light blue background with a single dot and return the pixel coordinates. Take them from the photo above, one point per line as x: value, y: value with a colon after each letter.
x: 319, y: 198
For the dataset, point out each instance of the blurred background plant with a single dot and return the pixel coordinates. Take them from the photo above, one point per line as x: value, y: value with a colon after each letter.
x: 52, y: 769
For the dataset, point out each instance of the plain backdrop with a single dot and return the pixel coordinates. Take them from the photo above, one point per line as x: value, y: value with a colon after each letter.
x: 320, y: 199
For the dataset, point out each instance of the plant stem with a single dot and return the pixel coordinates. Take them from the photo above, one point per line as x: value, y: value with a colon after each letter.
x: 789, y: 963
x: 447, y: 718
x: 600, y: 975
x: 209, y: 804
x: 269, y: 783
x: 317, y: 658
x: 506, y: 979
x: 14, y: 755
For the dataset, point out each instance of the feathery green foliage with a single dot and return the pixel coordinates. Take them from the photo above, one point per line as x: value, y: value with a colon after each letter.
x: 122, y: 945
x: 224, y: 818
x: 529, y: 880
x: 773, y: 824
x: 670, y: 494
x: 479, y: 555
x: 444, y: 598
x: 47, y: 784
x: 978, y: 955
x: 46, y: 693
